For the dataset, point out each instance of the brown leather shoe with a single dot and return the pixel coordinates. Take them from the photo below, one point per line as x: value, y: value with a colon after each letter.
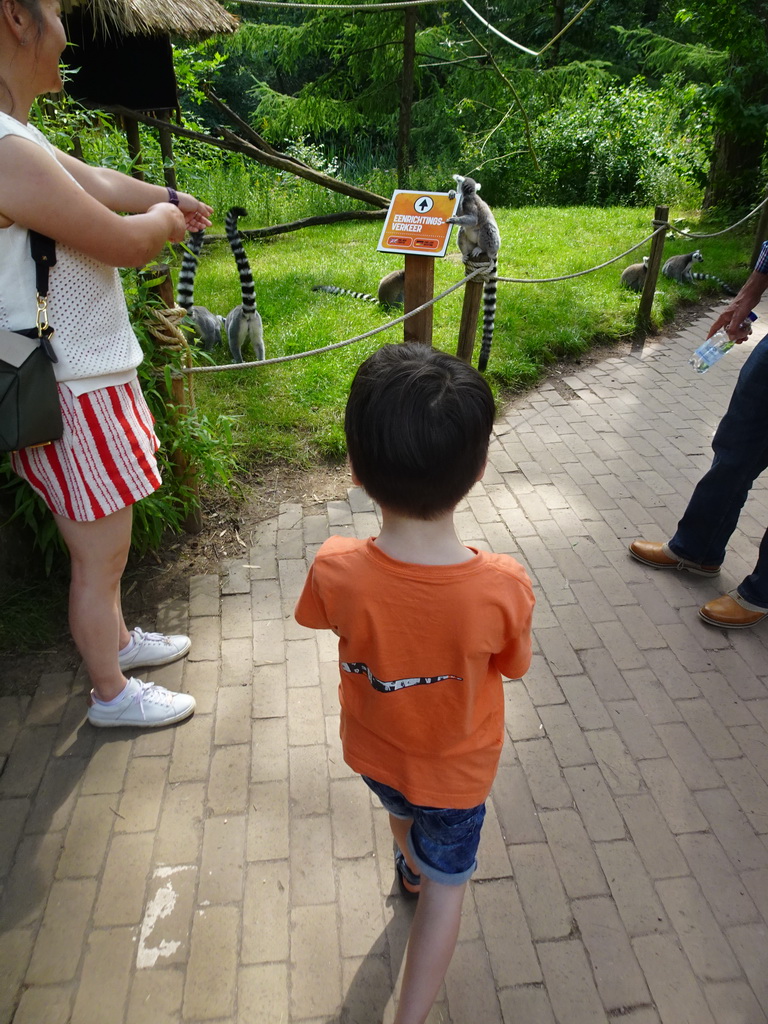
x: 729, y: 614
x: 659, y: 556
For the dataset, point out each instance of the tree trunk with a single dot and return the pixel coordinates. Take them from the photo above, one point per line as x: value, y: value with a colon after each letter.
x: 557, y: 28
x: 734, y: 171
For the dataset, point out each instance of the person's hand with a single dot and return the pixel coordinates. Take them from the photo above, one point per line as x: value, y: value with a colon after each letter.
x: 174, y: 220
x: 735, y: 320
x: 197, y: 215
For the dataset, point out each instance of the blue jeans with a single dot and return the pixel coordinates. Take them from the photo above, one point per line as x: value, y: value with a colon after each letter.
x: 741, y: 455
x: 442, y: 842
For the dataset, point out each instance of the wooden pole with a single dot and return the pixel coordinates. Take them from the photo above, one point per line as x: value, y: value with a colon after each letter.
x: 473, y: 295
x: 660, y: 218
x: 419, y: 288
x: 183, y: 470
x: 406, y: 97
x: 166, y: 148
x: 134, y: 145
x: 761, y: 234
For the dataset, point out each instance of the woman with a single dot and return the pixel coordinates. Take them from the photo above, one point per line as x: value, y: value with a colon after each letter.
x: 104, y: 461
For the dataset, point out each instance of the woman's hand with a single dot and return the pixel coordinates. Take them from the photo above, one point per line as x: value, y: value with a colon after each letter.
x: 197, y: 215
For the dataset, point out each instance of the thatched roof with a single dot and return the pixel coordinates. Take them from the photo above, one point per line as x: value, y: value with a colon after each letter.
x: 188, y: 19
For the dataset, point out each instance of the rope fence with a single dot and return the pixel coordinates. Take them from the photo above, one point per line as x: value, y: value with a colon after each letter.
x: 171, y: 323
x: 337, y: 344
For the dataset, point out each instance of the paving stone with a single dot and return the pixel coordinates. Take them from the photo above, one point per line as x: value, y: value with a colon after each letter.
x: 228, y: 780
x: 209, y: 991
x: 314, y: 955
x: 164, y: 934
x: 543, y: 773
x: 676, y: 993
x: 529, y: 1004
x: 470, y: 985
x: 262, y: 994
x: 515, y: 808
x: 732, y: 828
x: 51, y: 1003
x: 109, y: 955
x: 179, y: 833
x: 546, y: 906
x: 61, y: 938
x: 123, y: 885
x: 223, y: 860
x: 672, y: 796
x: 725, y: 892
x: 569, y: 982
x: 749, y: 942
x: 617, y: 973
x: 155, y: 997
x: 631, y: 888
x: 595, y: 804
x: 265, y: 914
x: 566, y: 737
x: 733, y: 1002
x: 574, y: 856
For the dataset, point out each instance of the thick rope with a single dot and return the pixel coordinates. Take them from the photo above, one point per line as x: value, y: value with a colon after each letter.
x: 581, y: 273
x: 338, y: 344
x: 714, y: 234
x: 165, y: 327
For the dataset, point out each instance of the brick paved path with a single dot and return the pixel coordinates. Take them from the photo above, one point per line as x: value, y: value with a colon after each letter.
x: 232, y: 869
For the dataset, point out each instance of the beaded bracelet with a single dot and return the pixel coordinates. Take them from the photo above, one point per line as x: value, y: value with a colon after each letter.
x: 173, y: 196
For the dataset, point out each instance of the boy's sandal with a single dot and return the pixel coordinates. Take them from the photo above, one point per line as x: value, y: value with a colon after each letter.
x: 406, y: 877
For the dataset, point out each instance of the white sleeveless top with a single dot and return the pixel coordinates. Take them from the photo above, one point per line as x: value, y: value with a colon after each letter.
x: 93, y: 337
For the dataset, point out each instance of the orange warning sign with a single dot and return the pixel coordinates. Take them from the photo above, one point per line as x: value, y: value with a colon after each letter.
x: 416, y: 223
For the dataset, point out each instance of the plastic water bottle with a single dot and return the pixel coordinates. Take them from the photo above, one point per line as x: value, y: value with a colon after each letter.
x: 714, y: 348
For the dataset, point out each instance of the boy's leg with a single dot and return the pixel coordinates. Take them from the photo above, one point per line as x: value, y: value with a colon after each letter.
x: 431, y: 943
x: 400, y: 828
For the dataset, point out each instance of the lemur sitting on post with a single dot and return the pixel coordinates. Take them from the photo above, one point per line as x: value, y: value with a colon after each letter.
x: 243, y: 323
x: 207, y: 325
x: 479, y: 240
x: 390, y: 291
x: 680, y: 269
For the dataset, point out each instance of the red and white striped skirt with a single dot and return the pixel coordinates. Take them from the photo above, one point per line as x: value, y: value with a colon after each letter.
x: 105, y: 459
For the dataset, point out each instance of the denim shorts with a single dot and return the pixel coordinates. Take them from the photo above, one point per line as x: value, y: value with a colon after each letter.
x: 442, y: 842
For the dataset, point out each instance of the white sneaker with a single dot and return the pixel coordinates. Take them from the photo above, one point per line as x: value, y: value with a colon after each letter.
x: 144, y: 705
x: 153, y: 649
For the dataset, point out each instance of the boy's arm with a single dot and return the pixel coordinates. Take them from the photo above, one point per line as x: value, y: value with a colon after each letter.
x: 514, y: 660
x: 309, y: 609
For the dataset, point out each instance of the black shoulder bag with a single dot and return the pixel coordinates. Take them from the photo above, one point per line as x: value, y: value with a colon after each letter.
x: 30, y: 411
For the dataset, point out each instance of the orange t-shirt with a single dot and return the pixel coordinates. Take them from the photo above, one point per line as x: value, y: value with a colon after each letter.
x: 422, y: 649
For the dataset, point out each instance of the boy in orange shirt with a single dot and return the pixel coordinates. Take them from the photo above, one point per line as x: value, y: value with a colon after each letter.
x: 426, y: 629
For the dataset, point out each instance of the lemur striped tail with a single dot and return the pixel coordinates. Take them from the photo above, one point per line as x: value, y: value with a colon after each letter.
x: 185, y: 288
x: 243, y: 323
x: 711, y: 277
x: 247, y: 287
x: 332, y: 289
x: 489, y: 318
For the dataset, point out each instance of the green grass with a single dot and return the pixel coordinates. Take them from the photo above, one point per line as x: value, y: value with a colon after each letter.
x: 294, y: 411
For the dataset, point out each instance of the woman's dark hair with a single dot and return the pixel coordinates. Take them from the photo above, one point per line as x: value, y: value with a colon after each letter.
x: 418, y: 422
x: 36, y: 13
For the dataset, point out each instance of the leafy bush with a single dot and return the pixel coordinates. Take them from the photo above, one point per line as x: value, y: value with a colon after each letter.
x: 627, y: 145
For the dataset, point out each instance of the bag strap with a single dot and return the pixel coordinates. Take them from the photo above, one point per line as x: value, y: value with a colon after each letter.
x: 44, y: 255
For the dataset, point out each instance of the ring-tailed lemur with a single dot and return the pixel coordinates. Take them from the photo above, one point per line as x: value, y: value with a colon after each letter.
x: 634, y: 275
x: 679, y: 268
x: 207, y: 325
x: 478, y: 236
x: 390, y: 293
x: 243, y: 323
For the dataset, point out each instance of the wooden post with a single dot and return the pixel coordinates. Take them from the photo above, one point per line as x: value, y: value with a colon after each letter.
x: 182, y: 469
x: 643, y: 319
x: 134, y: 145
x: 473, y: 294
x: 419, y: 288
x: 166, y: 148
x: 761, y: 235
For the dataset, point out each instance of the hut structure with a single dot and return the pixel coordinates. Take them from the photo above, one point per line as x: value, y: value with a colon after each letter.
x: 121, y: 56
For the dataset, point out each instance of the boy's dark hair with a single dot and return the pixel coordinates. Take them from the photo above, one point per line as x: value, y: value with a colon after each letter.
x: 418, y: 422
